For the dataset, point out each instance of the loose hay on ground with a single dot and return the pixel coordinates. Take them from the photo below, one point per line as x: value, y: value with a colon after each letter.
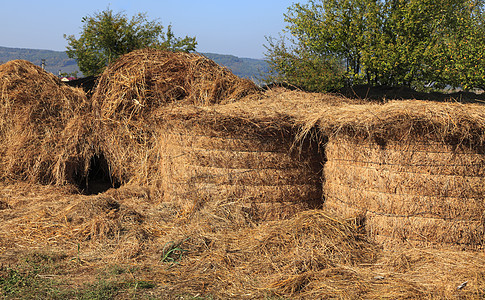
x: 310, y: 255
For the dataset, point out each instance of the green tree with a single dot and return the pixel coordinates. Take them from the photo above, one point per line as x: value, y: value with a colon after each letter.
x: 415, y: 43
x: 329, y: 33
x: 302, y: 67
x: 412, y: 41
x: 459, y: 58
x: 107, y: 35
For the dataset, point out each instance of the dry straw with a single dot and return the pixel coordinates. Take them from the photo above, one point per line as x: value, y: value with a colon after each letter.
x: 413, y: 169
x: 44, y: 127
x: 123, y: 234
x: 219, y: 153
x: 143, y: 80
x: 132, y: 89
x: 243, y: 152
x: 135, y: 93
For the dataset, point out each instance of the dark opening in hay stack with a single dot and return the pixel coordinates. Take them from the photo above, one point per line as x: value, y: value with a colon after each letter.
x: 210, y: 155
x: 415, y: 170
x: 45, y: 131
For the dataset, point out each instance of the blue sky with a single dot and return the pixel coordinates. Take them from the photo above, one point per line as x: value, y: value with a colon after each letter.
x: 220, y: 26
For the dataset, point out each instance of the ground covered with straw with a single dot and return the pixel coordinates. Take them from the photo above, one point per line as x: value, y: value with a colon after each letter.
x: 126, y: 244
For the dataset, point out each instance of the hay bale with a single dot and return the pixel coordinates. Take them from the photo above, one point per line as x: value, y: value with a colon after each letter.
x: 416, y: 191
x: 144, y: 80
x: 44, y: 134
x: 415, y: 170
x: 132, y: 146
x: 209, y: 155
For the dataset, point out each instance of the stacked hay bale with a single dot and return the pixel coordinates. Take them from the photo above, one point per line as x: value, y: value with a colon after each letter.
x: 131, y: 91
x: 45, y: 132
x: 413, y: 169
x: 221, y: 154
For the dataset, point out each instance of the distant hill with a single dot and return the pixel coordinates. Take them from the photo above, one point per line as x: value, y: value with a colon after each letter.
x: 56, y: 61
x: 243, y: 67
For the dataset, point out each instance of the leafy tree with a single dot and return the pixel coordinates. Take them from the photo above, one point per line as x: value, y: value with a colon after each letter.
x: 459, y: 58
x: 329, y: 33
x: 415, y: 43
x: 302, y: 67
x: 413, y: 40
x: 107, y: 35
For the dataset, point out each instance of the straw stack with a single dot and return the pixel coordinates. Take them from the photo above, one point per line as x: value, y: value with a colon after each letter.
x: 419, y: 191
x: 45, y: 126
x: 143, y: 80
x: 212, y: 156
x: 136, y: 86
x: 413, y: 170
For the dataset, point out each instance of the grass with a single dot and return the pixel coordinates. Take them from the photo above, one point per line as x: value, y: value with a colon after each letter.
x: 34, y: 277
x: 172, y: 252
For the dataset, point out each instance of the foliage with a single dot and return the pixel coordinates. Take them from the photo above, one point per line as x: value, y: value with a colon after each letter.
x: 173, y: 252
x: 305, y: 69
x: 459, y: 59
x: 414, y: 43
x: 107, y: 35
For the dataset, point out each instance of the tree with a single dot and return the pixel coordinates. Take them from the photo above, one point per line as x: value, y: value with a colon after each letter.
x: 459, y: 59
x: 330, y: 33
x: 107, y: 35
x: 414, y: 38
x: 302, y: 67
x: 414, y: 43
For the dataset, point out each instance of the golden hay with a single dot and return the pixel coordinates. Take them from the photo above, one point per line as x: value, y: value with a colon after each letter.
x: 132, y: 146
x: 131, y: 91
x: 449, y: 123
x: 208, y: 155
x: 44, y: 136
x: 410, y: 149
x: 247, y: 154
x: 144, y: 80
x: 126, y: 233
x: 413, y: 169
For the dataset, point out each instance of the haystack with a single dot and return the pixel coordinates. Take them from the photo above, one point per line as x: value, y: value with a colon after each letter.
x: 413, y: 169
x: 220, y: 154
x: 130, y: 92
x: 144, y: 80
x: 44, y: 133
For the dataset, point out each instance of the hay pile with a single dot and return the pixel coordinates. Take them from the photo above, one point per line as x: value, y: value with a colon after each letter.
x: 413, y: 169
x: 131, y: 91
x: 135, y: 92
x: 144, y: 80
x: 243, y: 152
x: 222, y: 254
x: 221, y: 154
x: 44, y: 128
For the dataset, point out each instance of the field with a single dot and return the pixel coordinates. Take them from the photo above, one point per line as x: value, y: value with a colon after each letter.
x: 179, y: 180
